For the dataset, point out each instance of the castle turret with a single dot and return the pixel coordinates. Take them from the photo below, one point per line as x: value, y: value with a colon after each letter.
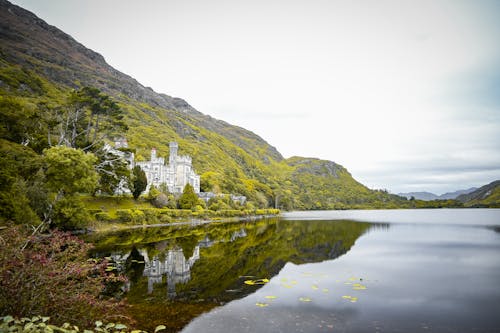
x: 173, y: 152
x: 153, y: 154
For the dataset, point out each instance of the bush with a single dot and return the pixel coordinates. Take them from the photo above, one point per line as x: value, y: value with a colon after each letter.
x: 165, y: 218
x: 176, y: 212
x: 151, y: 215
x: 131, y: 215
x: 124, y: 215
x: 104, y: 217
x: 53, y: 277
x: 70, y: 214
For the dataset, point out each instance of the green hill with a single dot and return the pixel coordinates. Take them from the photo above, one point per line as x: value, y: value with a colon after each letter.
x: 42, y: 69
x: 485, y: 196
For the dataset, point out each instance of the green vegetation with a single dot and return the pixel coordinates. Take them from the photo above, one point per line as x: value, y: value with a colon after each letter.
x: 140, y: 182
x: 121, y: 211
x: 38, y: 324
x: 188, y: 199
x: 485, y: 196
x: 53, y: 276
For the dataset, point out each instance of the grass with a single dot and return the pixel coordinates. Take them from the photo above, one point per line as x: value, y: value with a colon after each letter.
x: 110, y: 204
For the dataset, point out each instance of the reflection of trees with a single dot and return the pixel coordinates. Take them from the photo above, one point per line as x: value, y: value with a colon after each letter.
x: 225, y: 252
x: 264, y: 251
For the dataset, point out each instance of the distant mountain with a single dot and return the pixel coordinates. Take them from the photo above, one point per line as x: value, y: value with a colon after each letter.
x: 485, y: 196
x: 454, y: 195
x: 428, y: 196
x: 41, y: 65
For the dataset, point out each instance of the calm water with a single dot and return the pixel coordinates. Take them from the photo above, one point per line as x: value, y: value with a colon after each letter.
x: 328, y: 271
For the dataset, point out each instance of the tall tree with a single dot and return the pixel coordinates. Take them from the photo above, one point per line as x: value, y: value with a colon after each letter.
x: 89, y: 115
x: 140, y: 182
x: 188, y: 199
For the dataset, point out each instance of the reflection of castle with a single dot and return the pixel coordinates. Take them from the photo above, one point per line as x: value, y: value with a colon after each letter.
x: 175, y: 266
x: 238, y: 234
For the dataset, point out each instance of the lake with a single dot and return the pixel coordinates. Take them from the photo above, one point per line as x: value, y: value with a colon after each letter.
x: 320, y: 271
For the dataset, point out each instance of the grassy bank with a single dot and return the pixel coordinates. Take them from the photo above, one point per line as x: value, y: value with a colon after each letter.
x: 120, y: 212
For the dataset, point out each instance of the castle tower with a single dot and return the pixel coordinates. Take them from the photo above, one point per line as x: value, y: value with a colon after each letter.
x: 173, y: 152
x: 153, y: 154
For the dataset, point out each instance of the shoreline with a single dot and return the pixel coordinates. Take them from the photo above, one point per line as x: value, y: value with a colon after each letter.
x: 117, y: 226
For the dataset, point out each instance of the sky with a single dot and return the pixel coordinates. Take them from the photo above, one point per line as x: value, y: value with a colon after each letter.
x: 404, y: 94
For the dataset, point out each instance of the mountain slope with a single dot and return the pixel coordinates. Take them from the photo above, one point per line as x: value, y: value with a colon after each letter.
x: 34, y: 45
x: 40, y: 66
x: 485, y: 196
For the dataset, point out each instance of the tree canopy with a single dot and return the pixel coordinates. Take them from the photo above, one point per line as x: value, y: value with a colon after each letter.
x: 139, y: 182
x: 188, y: 199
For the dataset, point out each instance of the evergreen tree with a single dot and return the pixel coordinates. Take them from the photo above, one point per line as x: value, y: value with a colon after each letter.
x: 188, y: 199
x: 140, y: 181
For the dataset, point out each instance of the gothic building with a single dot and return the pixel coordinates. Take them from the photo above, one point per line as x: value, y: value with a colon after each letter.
x: 175, y: 175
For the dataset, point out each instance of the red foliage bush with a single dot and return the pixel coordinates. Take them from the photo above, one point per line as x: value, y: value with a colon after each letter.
x: 53, y: 277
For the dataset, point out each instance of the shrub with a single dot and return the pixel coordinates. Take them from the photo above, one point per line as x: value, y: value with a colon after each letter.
x: 124, y: 215
x: 53, y: 277
x: 70, y: 214
x: 151, y: 215
x: 165, y: 218
x: 104, y: 217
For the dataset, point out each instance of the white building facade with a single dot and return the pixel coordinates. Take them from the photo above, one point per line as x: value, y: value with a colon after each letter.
x: 175, y: 175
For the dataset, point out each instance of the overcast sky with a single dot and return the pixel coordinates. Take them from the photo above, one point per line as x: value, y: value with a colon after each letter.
x: 404, y: 94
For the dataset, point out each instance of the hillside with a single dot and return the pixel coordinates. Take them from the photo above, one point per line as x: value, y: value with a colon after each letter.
x: 485, y: 196
x: 41, y: 68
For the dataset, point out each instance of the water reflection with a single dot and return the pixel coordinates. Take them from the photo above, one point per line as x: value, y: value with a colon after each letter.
x: 173, y: 265
x: 208, y: 264
x: 414, y: 278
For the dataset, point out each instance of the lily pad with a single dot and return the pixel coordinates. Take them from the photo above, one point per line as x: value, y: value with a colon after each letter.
x: 258, y: 281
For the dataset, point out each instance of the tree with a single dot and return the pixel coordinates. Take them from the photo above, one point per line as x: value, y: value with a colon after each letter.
x: 18, y: 121
x: 113, y: 172
x: 140, y: 181
x: 87, y: 118
x: 188, y: 199
x: 67, y: 172
x: 18, y: 167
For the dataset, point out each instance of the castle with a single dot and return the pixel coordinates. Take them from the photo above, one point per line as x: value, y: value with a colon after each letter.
x: 175, y: 175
